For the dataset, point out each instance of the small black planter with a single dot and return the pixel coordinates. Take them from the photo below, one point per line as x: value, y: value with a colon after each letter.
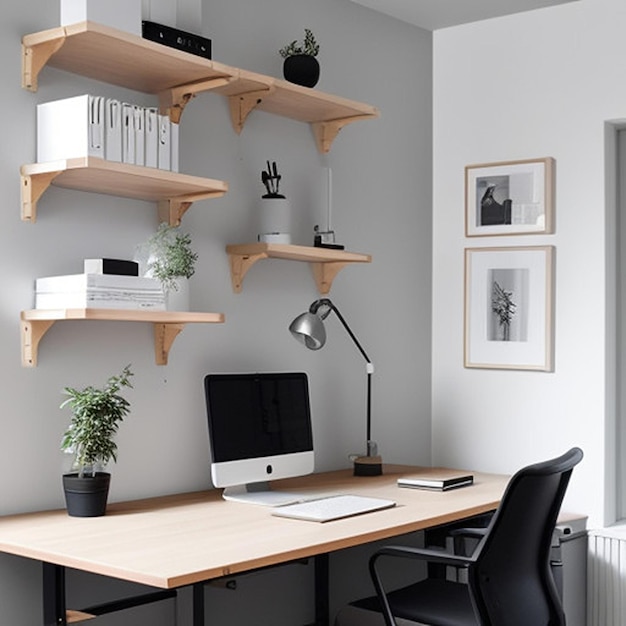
x: 302, y: 69
x: 86, y: 496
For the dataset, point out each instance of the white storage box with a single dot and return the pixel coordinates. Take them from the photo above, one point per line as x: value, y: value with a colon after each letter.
x: 164, y: 149
x: 106, y: 128
x: 151, y: 151
x: 139, y: 118
x: 70, y: 128
x: 128, y: 133
x: 121, y: 14
x: 113, y: 129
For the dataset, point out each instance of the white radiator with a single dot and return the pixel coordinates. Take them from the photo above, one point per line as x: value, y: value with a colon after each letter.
x: 606, y: 572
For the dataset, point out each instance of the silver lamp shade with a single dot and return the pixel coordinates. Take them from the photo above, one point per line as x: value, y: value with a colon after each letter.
x: 308, y: 328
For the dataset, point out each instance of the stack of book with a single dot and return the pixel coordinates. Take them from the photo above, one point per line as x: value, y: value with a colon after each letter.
x: 99, y: 291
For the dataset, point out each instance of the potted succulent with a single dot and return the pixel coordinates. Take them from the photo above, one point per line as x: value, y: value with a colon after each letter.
x: 301, y: 65
x: 90, y: 438
x: 169, y: 257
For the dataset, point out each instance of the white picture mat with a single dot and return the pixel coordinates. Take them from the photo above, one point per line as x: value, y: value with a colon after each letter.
x: 532, y: 347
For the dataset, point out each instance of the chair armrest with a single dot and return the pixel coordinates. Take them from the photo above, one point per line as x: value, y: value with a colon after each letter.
x: 424, y: 554
x: 459, y: 534
x: 476, y: 533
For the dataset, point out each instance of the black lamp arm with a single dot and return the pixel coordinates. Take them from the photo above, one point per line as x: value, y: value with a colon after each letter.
x: 325, y: 302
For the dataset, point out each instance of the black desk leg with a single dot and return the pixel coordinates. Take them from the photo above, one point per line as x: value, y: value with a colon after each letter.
x: 198, y: 604
x: 322, y: 595
x: 54, y: 595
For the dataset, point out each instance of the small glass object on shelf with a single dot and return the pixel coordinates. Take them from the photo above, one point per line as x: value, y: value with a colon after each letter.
x: 326, y: 238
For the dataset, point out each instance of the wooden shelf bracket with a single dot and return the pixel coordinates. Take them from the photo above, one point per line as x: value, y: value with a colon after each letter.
x: 240, y: 264
x: 243, y: 104
x: 173, y: 101
x: 32, y: 332
x: 326, y: 132
x: 33, y: 187
x: 35, y: 58
x: 324, y: 274
x: 164, y: 335
x: 172, y: 210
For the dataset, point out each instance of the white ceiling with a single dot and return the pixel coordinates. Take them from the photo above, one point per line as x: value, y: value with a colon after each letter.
x: 434, y: 14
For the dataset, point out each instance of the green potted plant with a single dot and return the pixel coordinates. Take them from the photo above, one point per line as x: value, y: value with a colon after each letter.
x: 90, y: 438
x: 169, y: 257
x: 301, y: 65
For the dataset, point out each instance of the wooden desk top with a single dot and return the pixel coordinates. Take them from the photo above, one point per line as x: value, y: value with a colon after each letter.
x: 178, y: 540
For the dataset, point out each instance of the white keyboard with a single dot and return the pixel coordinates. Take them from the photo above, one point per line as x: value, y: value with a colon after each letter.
x: 332, y: 508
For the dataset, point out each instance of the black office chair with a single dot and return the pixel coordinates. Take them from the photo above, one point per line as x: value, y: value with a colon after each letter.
x: 509, y: 577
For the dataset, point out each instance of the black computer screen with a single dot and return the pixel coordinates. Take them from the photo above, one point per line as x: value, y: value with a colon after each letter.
x: 257, y: 415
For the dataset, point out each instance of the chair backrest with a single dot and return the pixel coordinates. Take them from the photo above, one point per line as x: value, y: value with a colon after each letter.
x: 510, y: 579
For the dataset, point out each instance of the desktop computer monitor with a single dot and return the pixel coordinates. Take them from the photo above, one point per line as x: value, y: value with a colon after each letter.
x: 259, y: 431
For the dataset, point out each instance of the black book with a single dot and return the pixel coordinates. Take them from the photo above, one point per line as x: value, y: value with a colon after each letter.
x: 111, y: 266
x: 441, y: 482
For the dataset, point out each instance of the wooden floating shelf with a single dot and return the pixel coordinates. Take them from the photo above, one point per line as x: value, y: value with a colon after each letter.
x: 167, y: 325
x: 327, y: 114
x: 325, y: 262
x: 111, y: 56
x: 115, y: 57
x: 173, y: 191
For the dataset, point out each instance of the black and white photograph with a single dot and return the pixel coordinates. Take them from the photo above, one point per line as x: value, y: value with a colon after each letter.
x: 508, y: 304
x: 508, y: 307
x: 514, y: 197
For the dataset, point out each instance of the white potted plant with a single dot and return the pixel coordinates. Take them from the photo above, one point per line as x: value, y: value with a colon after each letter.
x: 90, y: 438
x: 169, y: 257
x: 301, y: 65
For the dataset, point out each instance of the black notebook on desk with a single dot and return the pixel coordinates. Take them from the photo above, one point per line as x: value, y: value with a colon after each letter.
x: 435, y: 482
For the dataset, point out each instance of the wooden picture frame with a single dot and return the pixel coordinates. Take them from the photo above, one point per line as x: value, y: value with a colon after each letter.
x: 509, y: 308
x: 509, y: 198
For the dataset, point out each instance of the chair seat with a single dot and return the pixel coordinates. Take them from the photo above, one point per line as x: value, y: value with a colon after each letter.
x: 432, y: 601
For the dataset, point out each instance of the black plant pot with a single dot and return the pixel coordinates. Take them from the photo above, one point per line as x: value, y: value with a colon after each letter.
x: 302, y: 69
x: 86, y: 496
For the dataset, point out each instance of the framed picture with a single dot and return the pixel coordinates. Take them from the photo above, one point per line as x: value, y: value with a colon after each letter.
x: 508, y: 308
x: 509, y: 198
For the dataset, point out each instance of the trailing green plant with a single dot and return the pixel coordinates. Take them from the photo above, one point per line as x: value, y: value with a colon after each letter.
x: 171, y: 256
x: 309, y: 46
x: 96, y: 415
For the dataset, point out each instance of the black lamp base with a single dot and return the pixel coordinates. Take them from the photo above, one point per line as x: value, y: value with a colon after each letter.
x: 368, y: 466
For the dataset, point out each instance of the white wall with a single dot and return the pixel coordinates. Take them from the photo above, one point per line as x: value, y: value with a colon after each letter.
x: 536, y: 84
x: 382, y: 200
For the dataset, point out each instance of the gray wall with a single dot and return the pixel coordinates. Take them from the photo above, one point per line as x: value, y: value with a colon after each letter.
x: 382, y: 200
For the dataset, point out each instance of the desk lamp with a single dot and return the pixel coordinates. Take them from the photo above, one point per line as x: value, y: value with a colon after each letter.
x: 308, y: 328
